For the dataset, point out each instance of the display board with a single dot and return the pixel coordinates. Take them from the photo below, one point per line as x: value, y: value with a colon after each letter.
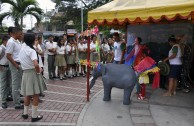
x: 159, y: 33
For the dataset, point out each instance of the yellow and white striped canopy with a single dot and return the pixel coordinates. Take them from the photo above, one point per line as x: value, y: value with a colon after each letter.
x: 122, y: 12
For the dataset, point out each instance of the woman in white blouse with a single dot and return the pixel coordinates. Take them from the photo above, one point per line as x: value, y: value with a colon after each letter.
x: 82, y: 54
x: 32, y: 81
x: 60, y: 58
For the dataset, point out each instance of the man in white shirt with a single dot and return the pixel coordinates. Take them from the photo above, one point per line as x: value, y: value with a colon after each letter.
x: 5, y: 74
x: 12, y: 53
x: 118, y: 53
x: 51, y: 51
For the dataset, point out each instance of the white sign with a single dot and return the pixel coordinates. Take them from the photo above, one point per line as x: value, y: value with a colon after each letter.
x: 71, y: 31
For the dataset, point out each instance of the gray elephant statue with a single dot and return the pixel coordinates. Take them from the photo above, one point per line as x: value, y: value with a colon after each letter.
x: 115, y: 75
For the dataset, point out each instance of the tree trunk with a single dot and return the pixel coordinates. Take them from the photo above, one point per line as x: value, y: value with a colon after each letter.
x: 21, y: 25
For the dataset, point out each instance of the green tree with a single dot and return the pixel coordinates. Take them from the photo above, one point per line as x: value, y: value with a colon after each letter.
x: 19, y: 9
x: 72, y: 10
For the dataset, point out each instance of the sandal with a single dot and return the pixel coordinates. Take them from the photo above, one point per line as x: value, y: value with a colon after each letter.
x: 140, y: 97
x: 167, y: 94
x: 37, y: 118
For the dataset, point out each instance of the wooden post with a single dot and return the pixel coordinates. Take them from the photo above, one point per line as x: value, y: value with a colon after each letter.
x: 192, y: 17
x: 88, y: 64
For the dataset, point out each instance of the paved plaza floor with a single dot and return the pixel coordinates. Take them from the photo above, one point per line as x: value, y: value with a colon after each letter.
x: 65, y: 104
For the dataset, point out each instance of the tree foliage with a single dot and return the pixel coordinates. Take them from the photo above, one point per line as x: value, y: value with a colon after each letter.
x: 19, y: 9
x: 72, y: 10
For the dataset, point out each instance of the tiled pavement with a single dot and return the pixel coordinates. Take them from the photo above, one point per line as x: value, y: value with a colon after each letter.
x: 62, y: 104
x: 140, y: 110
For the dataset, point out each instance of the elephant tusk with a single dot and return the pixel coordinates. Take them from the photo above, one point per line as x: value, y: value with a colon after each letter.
x: 91, y: 78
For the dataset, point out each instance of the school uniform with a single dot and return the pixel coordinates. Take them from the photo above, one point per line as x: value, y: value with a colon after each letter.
x: 70, y: 56
x: 105, y: 48
x: 13, y: 47
x: 32, y: 83
x: 40, y: 62
x: 59, y: 58
x: 82, y: 55
x: 93, y: 55
x: 51, y: 58
x: 5, y: 75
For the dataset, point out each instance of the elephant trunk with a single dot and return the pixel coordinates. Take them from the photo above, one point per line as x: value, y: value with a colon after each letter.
x: 92, y: 81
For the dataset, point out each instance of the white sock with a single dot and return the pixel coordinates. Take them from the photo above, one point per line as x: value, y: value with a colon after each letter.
x: 69, y: 74
x: 26, y: 108
x: 34, y: 111
x: 73, y: 71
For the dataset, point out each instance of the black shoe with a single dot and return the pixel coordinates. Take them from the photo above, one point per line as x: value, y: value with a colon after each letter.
x: 83, y: 75
x: 42, y: 95
x: 4, y: 105
x: 51, y: 78
x: 22, y: 101
x: 64, y: 78
x: 9, y: 99
x: 36, y: 119
x: 19, y: 107
x: 40, y: 101
x: 25, y: 116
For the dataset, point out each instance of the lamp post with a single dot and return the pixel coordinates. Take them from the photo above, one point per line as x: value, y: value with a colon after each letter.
x: 82, y: 17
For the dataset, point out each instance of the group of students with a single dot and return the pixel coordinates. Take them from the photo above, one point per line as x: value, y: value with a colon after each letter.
x: 66, y: 55
x: 20, y: 73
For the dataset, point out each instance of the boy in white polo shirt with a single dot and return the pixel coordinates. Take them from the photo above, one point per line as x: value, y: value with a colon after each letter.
x: 51, y: 51
x: 12, y: 53
x: 5, y: 74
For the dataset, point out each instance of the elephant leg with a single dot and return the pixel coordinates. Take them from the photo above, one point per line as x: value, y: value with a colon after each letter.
x: 127, y: 95
x: 107, y: 93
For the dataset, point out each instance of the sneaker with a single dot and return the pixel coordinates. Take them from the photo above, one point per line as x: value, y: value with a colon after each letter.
x: 78, y: 75
x: 61, y: 78
x: 4, y: 105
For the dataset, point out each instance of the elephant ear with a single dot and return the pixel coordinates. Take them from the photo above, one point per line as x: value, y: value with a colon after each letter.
x: 103, y: 69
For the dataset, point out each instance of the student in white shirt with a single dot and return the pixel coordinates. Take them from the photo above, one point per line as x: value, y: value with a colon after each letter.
x: 51, y: 51
x: 104, y: 50
x: 39, y: 51
x: 32, y: 80
x: 12, y: 53
x: 60, y: 58
x: 70, y: 52
x: 82, y: 54
x: 5, y: 73
x: 93, y: 53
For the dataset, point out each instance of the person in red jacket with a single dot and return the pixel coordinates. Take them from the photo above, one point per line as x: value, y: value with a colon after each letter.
x: 145, y: 66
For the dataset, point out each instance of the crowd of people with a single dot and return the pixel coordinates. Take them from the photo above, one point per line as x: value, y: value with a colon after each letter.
x: 22, y: 58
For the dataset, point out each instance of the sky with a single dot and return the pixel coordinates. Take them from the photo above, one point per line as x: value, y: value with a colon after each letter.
x: 28, y: 21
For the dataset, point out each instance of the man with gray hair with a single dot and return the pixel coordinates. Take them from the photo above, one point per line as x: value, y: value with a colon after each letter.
x: 12, y: 53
